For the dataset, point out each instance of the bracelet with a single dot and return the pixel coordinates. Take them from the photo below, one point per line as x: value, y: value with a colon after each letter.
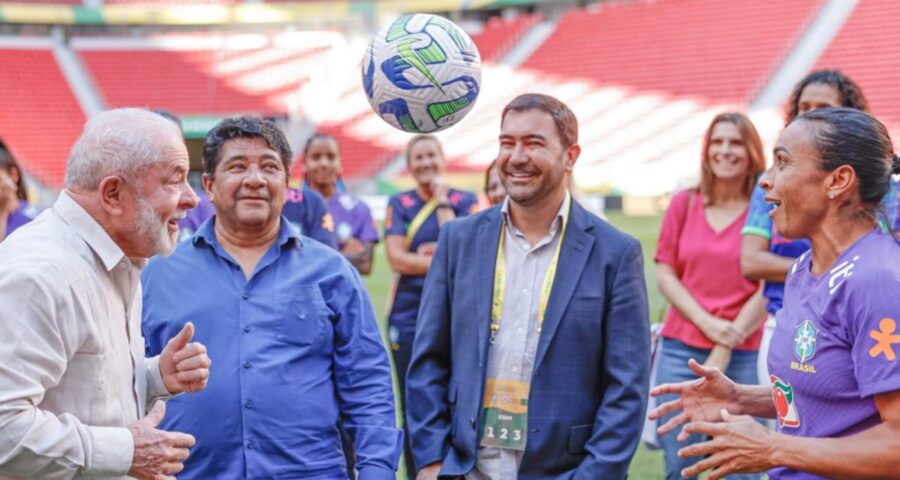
x: 443, y: 205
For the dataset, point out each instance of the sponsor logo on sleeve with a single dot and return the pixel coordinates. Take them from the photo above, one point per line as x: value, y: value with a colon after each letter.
x: 783, y: 395
x: 885, y: 339
x: 328, y: 222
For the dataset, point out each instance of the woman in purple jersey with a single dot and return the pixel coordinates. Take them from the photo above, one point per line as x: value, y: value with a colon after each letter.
x: 15, y: 210
x: 835, y: 376
x: 354, y: 228
x: 765, y: 254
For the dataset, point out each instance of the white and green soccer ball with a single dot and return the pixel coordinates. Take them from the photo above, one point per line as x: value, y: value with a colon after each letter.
x: 421, y: 73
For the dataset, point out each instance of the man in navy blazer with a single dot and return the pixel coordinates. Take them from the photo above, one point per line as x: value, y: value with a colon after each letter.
x: 511, y: 382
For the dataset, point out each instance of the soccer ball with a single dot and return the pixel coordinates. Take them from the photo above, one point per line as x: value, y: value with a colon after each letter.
x: 421, y: 73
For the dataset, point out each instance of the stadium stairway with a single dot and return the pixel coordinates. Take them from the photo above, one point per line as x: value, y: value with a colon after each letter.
x: 803, y: 54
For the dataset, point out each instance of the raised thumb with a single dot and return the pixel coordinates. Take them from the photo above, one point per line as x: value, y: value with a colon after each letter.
x: 157, y: 413
x: 183, y: 338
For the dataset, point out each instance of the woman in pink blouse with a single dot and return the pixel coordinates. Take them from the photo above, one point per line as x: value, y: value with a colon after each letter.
x: 715, y: 313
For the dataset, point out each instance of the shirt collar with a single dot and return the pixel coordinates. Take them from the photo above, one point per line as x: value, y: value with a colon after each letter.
x: 554, y: 227
x: 88, y: 229
x: 287, y: 232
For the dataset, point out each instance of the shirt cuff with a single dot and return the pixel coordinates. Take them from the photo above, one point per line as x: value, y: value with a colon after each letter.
x: 757, y: 231
x: 156, y: 389
x: 112, y: 452
x: 376, y: 473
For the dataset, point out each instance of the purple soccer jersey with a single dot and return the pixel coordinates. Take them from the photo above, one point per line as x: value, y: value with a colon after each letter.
x: 23, y: 214
x: 352, y: 219
x: 196, y: 216
x: 836, y: 343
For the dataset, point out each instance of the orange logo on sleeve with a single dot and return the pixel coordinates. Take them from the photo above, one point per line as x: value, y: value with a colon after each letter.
x: 328, y: 222
x: 884, y: 339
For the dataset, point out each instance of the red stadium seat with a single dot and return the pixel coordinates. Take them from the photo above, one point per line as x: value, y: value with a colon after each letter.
x: 200, y: 81
x: 866, y: 50
x: 499, y: 35
x: 720, y: 51
x: 40, y: 118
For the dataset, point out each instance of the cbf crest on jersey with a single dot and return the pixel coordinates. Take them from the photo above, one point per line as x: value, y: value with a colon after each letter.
x: 805, y: 341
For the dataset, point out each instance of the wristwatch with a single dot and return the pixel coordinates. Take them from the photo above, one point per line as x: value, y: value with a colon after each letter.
x: 444, y: 205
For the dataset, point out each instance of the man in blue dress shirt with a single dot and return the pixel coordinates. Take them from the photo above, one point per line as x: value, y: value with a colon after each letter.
x: 287, y: 323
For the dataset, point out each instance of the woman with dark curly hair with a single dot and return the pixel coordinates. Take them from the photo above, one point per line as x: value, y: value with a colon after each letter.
x: 821, y: 89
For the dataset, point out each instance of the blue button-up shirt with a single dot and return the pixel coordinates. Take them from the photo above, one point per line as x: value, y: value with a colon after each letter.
x: 294, y: 350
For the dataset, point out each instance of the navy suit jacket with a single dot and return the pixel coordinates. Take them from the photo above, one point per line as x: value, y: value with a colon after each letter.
x: 591, y: 375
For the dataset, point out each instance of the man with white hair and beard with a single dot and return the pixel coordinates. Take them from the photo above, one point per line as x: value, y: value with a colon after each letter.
x: 75, y: 384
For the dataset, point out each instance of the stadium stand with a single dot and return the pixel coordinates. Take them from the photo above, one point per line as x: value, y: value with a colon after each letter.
x: 202, y: 75
x: 866, y: 51
x: 499, y: 35
x: 171, y: 2
x: 643, y: 77
x: 40, y: 118
x: 45, y: 2
x: 720, y: 51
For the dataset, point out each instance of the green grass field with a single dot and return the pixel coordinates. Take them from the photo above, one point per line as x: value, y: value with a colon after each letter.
x: 647, y: 465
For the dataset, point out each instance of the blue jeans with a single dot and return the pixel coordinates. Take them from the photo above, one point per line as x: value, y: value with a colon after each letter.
x: 673, y: 368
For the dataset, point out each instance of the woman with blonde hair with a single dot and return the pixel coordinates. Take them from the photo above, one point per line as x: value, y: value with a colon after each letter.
x: 715, y: 313
x: 411, y: 226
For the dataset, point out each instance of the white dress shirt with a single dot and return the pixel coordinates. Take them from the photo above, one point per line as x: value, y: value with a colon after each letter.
x: 72, y: 370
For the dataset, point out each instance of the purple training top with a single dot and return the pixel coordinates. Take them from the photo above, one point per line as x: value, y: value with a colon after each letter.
x: 196, y: 216
x: 352, y: 219
x: 836, y: 343
x: 23, y: 214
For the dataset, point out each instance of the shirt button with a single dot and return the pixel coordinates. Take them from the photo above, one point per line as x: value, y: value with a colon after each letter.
x: 534, y: 430
x: 520, y: 330
x: 472, y: 421
x: 245, y: 295
x: 246, y: 364
x: 249, y: 445
x: 514, y: 369
x: 246, y: 329
x: 524, y: 291
x: 248, y: 404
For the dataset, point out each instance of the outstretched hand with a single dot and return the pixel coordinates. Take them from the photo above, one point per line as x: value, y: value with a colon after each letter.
x: 738, y: 445
x: 700, y: 400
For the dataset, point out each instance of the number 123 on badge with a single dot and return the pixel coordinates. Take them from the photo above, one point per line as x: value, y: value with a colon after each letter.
x: 505, y: 414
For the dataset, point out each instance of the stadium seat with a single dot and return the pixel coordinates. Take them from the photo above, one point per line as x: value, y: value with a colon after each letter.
x: 715, y: 50
x: 202, y: 75
x: 866, y: 50
x: 499, y: 35
x: 40, y: 118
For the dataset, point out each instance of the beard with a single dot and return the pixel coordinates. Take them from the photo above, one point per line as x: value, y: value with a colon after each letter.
x: 153, y: 229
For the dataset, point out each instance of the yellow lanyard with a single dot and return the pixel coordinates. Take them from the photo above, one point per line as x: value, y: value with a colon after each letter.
x: 549, y: 276
x: 417, y: 221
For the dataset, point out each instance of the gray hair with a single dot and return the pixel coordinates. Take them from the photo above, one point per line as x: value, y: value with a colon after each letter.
x: 124, y: 141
